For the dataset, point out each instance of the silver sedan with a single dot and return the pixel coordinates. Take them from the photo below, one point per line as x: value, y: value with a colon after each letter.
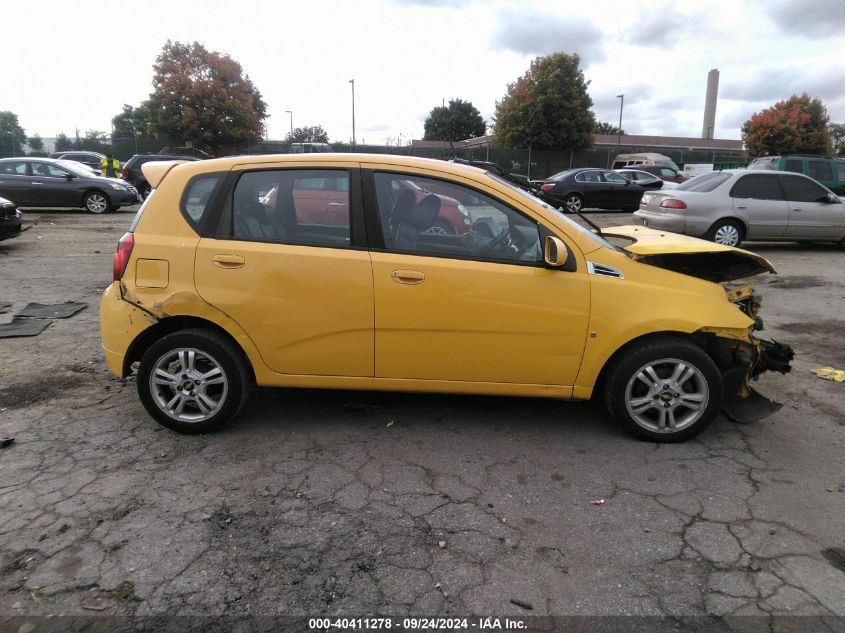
x: 735, y: 205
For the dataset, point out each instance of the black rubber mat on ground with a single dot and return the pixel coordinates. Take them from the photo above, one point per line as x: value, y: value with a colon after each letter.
x: 23, y: 327
x: 4, y: 306
x: 55, y: 311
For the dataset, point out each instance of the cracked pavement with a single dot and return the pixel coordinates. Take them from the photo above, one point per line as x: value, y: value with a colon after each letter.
x: 311, y: 503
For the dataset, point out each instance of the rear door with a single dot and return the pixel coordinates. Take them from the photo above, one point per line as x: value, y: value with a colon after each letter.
x: 620, y: 191
x: 15, y: 182
x: 302, y: 291
x: 759, y: 201
x: 593, y: 186
x: 811, y: 215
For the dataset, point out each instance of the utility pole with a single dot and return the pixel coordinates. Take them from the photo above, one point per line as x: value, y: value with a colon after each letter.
x: 619, y: 131
x: 352, y: 81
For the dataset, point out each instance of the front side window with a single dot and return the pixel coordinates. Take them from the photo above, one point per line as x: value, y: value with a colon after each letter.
x: 758, y: 187
x: 840, y: 170
x: 417, y: 221
x: 800, y: 189
x: 819, y: 169
x: 293, y: 206
x: 48, y: 170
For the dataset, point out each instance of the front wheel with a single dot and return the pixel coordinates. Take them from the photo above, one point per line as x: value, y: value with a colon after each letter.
x: 664, y: 390
x: 193, y: 381
x: 727, y: 232
x: 573, y: 203
x: 96, y: 202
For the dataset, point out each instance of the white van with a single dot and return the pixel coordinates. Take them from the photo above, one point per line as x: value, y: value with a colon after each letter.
x: 648, y: 158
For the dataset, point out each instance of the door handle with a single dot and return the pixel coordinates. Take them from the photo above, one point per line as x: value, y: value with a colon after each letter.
x: 227, y: 261
x: 798, y: 209
x: 408, y: 276
x: 36, y: 183
x: 337, y: 204
x: 741, y: 206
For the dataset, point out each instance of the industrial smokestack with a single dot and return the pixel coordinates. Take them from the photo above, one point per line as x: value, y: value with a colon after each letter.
x: 710, y: 104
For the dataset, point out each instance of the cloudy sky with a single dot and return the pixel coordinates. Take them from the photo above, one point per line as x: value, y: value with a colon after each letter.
x: 76, y: 64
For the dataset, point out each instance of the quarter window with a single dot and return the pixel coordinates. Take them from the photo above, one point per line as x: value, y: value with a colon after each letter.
x: 800, y: 189
x: 198, y: 195
x: 293, y: 206
x: 758, y: 187
x: 416, y: 220
x: 820, y: 170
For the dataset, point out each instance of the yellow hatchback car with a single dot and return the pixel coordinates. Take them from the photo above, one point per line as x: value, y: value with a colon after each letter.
x: 355, y: 271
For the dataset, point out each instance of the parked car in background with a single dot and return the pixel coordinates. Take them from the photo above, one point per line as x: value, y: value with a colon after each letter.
x: 132, y: 173
x: 214, y: 291
x: 592, y: 188
x: 10, y: 219
x: 646, y: 158
x: 91, y: 159
x: 665, y: 172
x: 87, y: 168
x: 45, y: 182
x: 730, y: 206
x: 830, y: 172
x: 641, y: 178
x: 309, y: 148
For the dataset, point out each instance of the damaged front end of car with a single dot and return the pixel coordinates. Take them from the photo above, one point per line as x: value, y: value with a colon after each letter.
x: 741, y: 355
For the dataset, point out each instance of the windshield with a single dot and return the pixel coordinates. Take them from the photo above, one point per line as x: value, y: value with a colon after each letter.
x: 77, y: 169
x: 705, y: 182
x: 525, y: 194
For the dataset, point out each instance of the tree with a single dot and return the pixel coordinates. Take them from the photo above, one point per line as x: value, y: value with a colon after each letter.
x: 837, y: 137
x: 203, y: 97
x: 132, y: 122
x: 602, y: 127
x: 313, y: 134
x: 12, y: 135
x: 457, y: 121
x: 795, y: 126
x: 63, y: 143
x: 548, y: 107
x: 96, y: 141
x: 35, y: 144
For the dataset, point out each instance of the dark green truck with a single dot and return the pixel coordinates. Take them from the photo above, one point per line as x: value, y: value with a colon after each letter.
x: 828, y: 171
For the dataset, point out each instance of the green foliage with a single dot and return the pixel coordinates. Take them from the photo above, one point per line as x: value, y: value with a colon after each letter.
x: 547, y: 108
x: 837, y: 137
x: 35, y: 144
x: 132, y: 122
x: 63, y: 143
x: 12, y: 135
x: 203, y: 97
x: 458, y: 121
x: 313, y: 134
x: 602, y: 127
x: 798, y: 125
x: 95, y: 141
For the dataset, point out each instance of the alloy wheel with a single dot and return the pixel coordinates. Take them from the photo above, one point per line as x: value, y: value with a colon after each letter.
x: 188, y: 385
x: 666, y: 395
x: 96, y: 203
x: 573, y: 204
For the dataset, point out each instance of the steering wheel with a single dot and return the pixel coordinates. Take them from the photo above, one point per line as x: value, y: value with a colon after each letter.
x: 493, y: 245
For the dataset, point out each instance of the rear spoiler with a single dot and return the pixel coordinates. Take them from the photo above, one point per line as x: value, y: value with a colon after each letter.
x: 155, y: 171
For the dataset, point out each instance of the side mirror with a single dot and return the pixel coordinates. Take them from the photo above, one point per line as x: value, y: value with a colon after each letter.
x: 554, y: 252
x: 69, y: 176
x: 831, y: 198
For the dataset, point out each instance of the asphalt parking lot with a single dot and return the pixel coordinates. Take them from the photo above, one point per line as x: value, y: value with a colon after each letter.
x: 361, y: 504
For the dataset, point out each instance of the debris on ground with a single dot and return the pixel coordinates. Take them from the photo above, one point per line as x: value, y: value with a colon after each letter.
x: 6, y: 442
x: 829, y: 373
x: 441, y: 544
x: 597, y: 502
x: 4, y: 306
x: 23, y: 327
x: 51, y: 311
x: 525, y: 605
x: 389, y: 424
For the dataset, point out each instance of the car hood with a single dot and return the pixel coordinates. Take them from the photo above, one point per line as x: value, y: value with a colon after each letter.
x: 689, y: 255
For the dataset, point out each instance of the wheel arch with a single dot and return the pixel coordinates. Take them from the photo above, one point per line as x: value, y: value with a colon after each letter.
x: 172, y: 324
x: 730, y: 218
x: 93, y: 190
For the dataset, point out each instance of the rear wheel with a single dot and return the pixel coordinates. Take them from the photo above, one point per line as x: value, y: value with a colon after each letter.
x: 193, y: 381
x: 573, y: 203
x: 96, y: 202
x: 664, y: 390
x: 146, y: 190
x: 727, y: 232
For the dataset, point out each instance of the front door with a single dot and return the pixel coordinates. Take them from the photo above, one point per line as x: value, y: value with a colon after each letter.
x: 299, y: 289
x: 811, y: 214
x: 53, y: 186
x: 759, y: 200
x: 477, y: 307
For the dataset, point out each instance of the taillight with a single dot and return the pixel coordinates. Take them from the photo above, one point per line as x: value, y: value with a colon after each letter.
x: 121, y: 256
x: 673, y: 203
x: 548, y: 186
x: 125, y: 173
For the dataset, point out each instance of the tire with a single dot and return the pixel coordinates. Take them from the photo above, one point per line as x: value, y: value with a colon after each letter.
x: 727, y: 232
x: 573, y: 202
x: 146, y: 190
x: 182, y: 362
x: 96, y: 202
x: 664, y: 390
x: 441, y: 227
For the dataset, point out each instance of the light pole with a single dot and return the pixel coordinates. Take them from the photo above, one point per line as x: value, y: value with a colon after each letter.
x: 619, y: 130
x: 290, y: 112
x: 352, y: 81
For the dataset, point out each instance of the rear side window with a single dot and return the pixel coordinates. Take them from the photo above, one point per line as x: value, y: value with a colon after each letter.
x: 819, y: 169
x: 758, y: 187
x: 840, y: 170
x: 800, y: 189
x: 794, y: 165
x: 705, y: 182
x: 197, y: 198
